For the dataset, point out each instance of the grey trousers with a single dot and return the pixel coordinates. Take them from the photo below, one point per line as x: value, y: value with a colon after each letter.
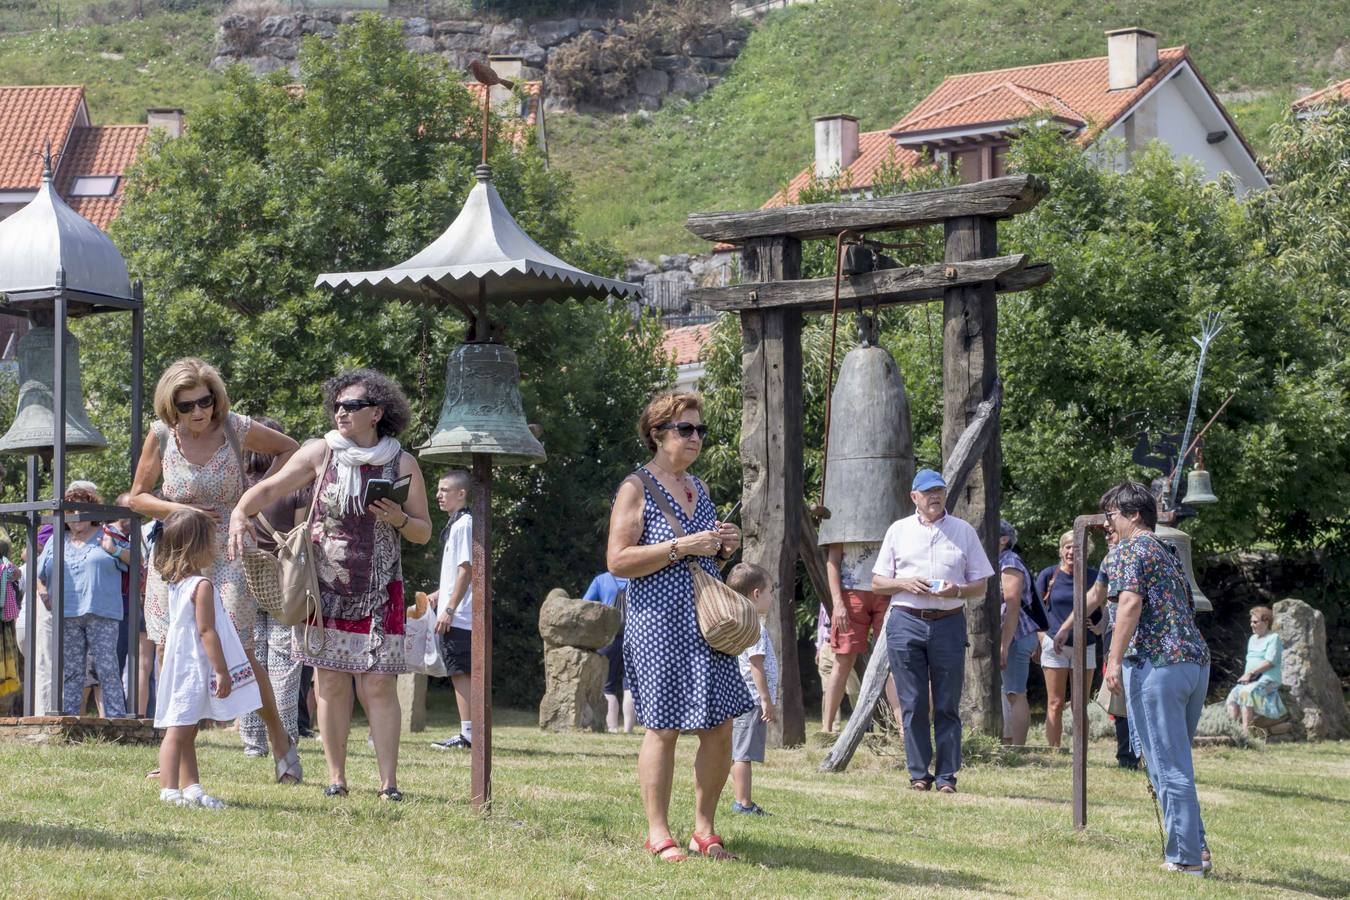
x: 272, y: 647
x: 91, y: 638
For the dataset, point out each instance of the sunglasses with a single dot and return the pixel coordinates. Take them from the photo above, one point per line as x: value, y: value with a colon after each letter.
x: 352, y: 406
x: 685, y: 429
x: 185, y: 406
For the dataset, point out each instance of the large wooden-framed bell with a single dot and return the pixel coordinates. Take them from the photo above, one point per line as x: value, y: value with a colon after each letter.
x: 32, y: 431
x: 871, y: 456
x: 482, y: 411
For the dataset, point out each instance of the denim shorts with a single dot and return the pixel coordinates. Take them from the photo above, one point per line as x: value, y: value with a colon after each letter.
x: 1019, y: 664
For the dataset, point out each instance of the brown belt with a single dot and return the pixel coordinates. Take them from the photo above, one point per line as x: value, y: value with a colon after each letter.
x: 931, y: 615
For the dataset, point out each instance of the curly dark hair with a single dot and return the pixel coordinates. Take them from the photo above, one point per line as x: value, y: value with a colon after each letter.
x: 380, y: 388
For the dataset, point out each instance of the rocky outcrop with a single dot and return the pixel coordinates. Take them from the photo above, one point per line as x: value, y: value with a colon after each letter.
x: 590, y: 65
x: 1313, y: 684
x: 574, y: 674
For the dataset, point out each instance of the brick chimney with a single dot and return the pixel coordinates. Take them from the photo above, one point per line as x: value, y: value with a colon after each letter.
x: 509, y: 68
x: 836, y: 144
x: 166, y: 119
x: 1131, y: 54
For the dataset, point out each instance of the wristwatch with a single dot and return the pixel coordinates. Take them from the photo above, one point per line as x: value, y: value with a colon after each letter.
x: 674, y: 549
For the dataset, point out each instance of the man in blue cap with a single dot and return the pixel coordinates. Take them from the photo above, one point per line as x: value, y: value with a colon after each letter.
x: 930, y: 563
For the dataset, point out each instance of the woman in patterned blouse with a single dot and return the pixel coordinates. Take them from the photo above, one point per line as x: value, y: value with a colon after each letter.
x: 1160, y: 662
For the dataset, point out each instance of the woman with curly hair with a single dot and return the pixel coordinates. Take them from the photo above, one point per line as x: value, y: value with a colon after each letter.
x: 360, y: 564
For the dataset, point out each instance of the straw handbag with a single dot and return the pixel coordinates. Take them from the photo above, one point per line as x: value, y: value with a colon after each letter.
x: 726, y: 617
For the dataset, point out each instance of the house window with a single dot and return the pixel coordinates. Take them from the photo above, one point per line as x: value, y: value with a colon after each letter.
x: 94, y: 186
x: 967, y: 165
x: 999, y: 159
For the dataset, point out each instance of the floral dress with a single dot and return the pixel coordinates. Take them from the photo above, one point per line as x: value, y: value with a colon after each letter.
x: 216, y: 485
x: 678, y: 680
x: 360, y: 585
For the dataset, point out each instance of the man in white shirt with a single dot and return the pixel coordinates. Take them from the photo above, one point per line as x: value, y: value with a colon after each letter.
x: 454, y: 599
x: 930, y: 563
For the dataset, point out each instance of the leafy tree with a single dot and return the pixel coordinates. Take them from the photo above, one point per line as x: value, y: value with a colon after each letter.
x: 360, y: 168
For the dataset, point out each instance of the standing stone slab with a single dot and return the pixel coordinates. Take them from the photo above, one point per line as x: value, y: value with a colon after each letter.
x: 1313, y: 684
x: 574, y: 681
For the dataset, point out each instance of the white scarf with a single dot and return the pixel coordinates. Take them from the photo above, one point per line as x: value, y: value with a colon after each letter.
x: 350, y: 458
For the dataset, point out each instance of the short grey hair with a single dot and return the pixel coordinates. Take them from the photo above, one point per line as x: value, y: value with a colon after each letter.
x: 1006, y: 529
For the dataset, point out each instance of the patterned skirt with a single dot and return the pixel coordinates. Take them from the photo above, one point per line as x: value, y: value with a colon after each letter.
x: 356, y: 645
x: 1262, y: 695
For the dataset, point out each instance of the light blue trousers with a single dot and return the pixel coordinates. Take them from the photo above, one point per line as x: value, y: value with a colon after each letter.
x: 1164, y: 704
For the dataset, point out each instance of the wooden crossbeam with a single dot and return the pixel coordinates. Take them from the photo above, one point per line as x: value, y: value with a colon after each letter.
x: 916, y: 284
x: 996, y: 198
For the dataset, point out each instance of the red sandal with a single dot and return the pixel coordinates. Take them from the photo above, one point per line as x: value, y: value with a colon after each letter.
x: 661, y: 847
x: 703, y: 846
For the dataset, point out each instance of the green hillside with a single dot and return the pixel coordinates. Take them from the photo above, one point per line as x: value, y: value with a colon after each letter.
x: 875, y: 59
x: 126, y: 66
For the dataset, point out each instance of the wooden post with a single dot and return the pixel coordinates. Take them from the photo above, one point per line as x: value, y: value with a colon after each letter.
x: 480, y: 691
x: 969, y: 369
x: 771, y: 456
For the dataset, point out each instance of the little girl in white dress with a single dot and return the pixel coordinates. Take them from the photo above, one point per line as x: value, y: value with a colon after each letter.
x: 205, y: 674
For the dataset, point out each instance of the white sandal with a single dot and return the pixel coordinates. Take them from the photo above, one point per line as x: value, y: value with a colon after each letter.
x: 289, y: 765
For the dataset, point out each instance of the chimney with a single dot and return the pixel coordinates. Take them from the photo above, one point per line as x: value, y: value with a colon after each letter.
x: 507, y: 67
x: 167, y: 119
x: 1131, y: 54
x: 836, y: 144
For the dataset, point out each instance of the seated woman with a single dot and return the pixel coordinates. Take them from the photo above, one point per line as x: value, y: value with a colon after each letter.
x: 1257, y: 692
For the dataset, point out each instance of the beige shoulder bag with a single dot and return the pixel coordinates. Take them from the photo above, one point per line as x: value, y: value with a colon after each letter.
x: 726, y: 617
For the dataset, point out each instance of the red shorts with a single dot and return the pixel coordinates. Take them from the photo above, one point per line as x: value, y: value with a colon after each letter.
x: 866, y: 613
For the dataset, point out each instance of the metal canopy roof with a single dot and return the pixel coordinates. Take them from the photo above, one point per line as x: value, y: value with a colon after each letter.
x: 483, y: 249
x: 47, y: 236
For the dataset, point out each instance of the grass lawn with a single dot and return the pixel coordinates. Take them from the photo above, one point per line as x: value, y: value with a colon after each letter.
x: 80, y: 820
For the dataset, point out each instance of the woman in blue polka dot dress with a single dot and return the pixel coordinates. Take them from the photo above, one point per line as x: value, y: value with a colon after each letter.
x: 679, y: 682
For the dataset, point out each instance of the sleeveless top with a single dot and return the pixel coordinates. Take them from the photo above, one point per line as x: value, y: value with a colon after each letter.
x: 218, y: 485
x: 359, y: 556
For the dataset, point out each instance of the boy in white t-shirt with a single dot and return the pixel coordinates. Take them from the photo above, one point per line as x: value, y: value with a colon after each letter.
x: 454, y: 599
x: 759, y: 668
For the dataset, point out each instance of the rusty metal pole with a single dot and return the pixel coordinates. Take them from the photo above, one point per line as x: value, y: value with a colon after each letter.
x: 480, y: 691
x: 1080, y: 730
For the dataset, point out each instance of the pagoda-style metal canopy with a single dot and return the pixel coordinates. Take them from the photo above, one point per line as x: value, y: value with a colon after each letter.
x: 483, y: 258
x: 47, y: 237
x: 483, y: 255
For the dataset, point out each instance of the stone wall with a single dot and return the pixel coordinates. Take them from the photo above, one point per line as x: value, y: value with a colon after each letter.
x: 624, y: 67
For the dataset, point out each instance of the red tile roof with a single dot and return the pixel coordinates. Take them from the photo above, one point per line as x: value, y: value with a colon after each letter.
x: 100, y: 150
x: 685, y: 345
x: 1326, y: 96
x: 1079, y: 86
x: 29, y: 116
x: 1077, y: 90
x: 875, y: 149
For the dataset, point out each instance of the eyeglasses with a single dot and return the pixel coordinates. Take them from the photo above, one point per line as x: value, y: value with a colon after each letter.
x: 1111, y: 514
x: 685, y: 429
x: 352, y: 406
x: 185, y: 406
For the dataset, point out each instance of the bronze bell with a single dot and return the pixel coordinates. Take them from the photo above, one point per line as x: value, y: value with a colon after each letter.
x: 1180, y: 542
x: 871, y: 461
x: 482, y: 412
x: 1198, y: 488
x: 32, y: 431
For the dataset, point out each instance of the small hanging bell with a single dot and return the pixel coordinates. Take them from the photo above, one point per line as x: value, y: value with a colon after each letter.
x: 482, y: 412
x: 32, y: 431
x: 1198, y: 488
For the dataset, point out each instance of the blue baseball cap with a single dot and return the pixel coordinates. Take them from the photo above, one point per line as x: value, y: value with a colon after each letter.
x: 927, y: 479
